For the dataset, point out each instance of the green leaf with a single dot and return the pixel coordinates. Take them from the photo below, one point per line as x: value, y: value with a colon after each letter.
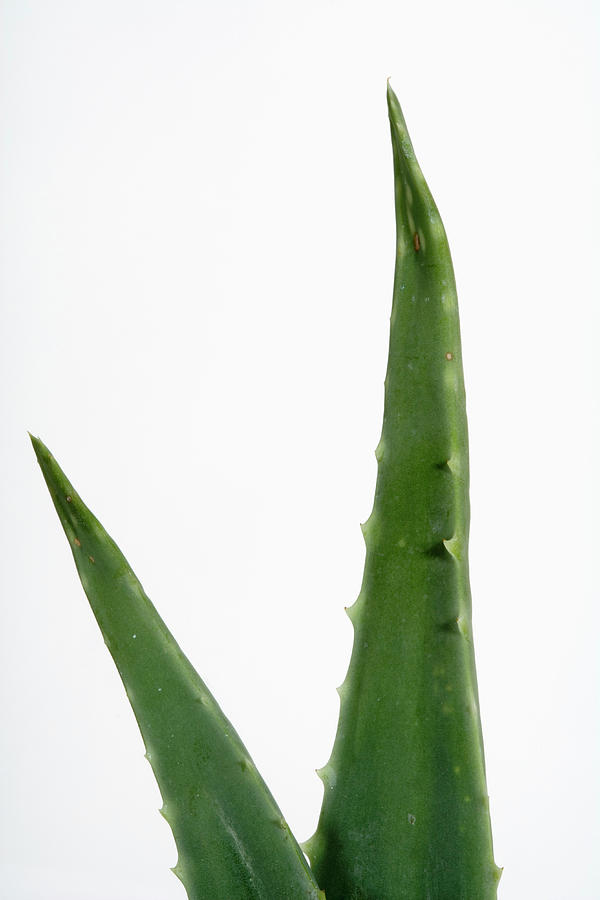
x: 405, y: 808
x: 232, y: 840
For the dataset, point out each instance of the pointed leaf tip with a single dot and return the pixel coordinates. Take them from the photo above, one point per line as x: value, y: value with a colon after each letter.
x: 37, y: 445
x: 400, y: 136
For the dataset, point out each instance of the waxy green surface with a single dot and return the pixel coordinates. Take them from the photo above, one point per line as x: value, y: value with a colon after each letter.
x: 405, y: 809
x: 232, y: 840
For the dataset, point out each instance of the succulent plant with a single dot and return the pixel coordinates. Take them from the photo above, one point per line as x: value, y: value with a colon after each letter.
x: 405, y: 808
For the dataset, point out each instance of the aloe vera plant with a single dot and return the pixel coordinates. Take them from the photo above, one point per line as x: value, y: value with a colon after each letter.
x: 405, y: 810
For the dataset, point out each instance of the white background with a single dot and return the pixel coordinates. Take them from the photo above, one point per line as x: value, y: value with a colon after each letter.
x: 197, y: 245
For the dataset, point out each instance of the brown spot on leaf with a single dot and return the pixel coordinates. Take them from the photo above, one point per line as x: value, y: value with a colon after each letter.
x: 417, y: 241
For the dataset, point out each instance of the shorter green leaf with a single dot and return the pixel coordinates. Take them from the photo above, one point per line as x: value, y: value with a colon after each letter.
x: 233, y: 842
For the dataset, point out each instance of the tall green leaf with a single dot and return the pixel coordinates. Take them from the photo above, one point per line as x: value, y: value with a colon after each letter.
x: 233, y: 842
x: 405, y: 808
